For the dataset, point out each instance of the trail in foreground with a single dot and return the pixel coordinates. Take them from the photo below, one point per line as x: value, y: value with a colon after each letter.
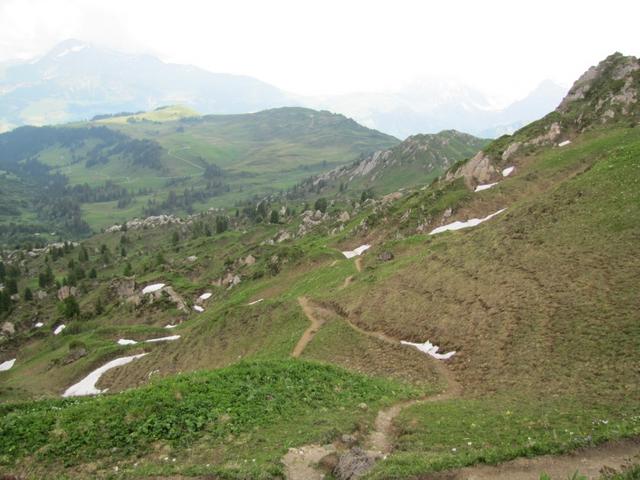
x: 589, y: 462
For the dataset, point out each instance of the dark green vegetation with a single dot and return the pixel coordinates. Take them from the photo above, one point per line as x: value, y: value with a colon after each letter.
x: 540, y: 304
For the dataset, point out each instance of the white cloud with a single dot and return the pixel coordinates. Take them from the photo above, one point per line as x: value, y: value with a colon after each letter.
x: 337, y: 47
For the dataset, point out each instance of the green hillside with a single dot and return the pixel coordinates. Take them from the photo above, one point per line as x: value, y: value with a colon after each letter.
x: 168, y: 161
x: 294, y: 368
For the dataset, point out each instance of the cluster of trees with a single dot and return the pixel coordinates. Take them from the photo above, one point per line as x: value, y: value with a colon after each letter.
x: 184, y: 201
x: 9, y: 275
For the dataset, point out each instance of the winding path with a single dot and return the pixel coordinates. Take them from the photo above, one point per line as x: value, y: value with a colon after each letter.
x: 310, y: 332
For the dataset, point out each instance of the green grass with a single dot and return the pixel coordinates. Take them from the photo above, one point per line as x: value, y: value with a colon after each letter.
x: 457, y: 433
x: 225, y: 410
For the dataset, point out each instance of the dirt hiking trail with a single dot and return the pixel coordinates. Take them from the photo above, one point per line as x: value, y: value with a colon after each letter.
x: 591, y: 462
x: 309, y: 333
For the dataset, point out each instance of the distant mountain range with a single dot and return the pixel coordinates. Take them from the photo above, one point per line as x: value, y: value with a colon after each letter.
x: 77, y: 80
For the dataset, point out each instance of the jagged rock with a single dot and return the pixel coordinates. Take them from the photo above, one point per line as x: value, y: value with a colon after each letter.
x: 249, y: 260
x: 385, y: 256
x: 124, y: 288
x: 192, y: 258
x: 317, y: 215
x: 447, y: 213
x: 282, y: 236
x: 477, y: 170
x: 511, y: 151
x: 344, y: 217
x: 551, y: 136
x: 354, y: 464
x: 66, y: 291
x: 174, y: 297
x: 8, y: 328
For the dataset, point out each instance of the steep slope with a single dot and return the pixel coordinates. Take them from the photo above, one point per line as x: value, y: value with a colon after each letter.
x: 77, y: 80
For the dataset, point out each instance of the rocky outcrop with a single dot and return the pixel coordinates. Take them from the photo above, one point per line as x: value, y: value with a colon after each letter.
x: 66, y: 292
x: 353, y: 464
x: 8, y: 329
x: 477, y: 170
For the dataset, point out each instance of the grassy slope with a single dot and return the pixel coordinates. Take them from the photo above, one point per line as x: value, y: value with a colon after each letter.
x: 193, y: 417
x: 554, y: 344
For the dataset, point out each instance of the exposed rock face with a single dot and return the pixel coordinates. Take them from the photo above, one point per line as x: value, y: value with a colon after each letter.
x: 124, y: 288
x: 477, y: 170
x: 605, y: 92
x: 344, y: 217
x: 510, y: 151
x: 8, y: 328
x: 547, y: 138
x: 282, y: 236
x: 249, y: 260
x: 149, y: 222
x: 66, y: 292
x: 175, y: 298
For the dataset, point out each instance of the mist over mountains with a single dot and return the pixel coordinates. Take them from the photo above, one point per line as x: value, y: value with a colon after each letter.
x: 77, y: 80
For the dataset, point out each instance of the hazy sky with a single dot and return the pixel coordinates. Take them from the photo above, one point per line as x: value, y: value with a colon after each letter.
x: 315, y: 47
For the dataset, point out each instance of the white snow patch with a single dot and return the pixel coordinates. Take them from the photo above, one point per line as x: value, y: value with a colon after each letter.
x: 87, y: 386
x: 198, y: 308
x: 4, y: 366
x: 487, y: 186
x: 565, y: 143
x: 460, y: 225
x: 59, y: 329
x: 39, y: 325
x: 163, y: 339
x: 152, y: 288
x: 358, y: 251
x: 170, y: 326
x: 508, y: 171
x: 124, y: 341
x: 205, y: 296
x: 430, y: 349
x: 255, y: 301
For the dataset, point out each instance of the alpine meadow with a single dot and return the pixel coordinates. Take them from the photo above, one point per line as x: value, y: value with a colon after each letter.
x: 206, y: 276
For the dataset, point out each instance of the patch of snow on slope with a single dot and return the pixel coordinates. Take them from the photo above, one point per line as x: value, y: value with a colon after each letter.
x: 152, y: 288
x: 358, y: 251
x: 508, y: 171
x: 124, y: 341
x: 4, y: 366
x: 163, y: 339
x: 205, y: 296
x: 198, y: 308
x: 255, y: 301
x: 87, y: 386
x: 170, y: 326
x: 487, y: 186
x: 39, y: 325
x: 430, y: 349
x: 59, y: 329
x: 469, y: 223
x: 565, y: 143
